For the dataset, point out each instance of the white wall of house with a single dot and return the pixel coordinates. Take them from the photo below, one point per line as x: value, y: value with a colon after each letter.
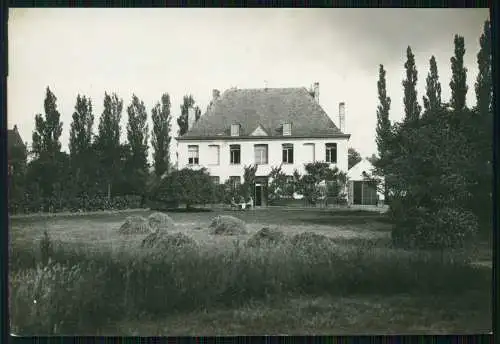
x: 302, y: 152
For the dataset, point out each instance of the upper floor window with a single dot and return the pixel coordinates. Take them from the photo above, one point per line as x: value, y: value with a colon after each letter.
x: 287, y: 129
x: 331, y: 153
x: 288, y: 153
x: 260, y: 154
x: 235, y: 154
x: 214, y: 154
x: 193, y: 155
x: 235, y: 130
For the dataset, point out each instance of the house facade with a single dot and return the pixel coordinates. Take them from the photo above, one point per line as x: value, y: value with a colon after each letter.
x: 16, y: 151
x: 268, y: 127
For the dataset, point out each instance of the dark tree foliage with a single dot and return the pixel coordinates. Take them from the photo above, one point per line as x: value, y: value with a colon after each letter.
x: 432, y: 99
x: 412, y: 108
x: 353, y: 157
x: 458, y: 83
x: 80, y: 145
x: 108, y: 149
x: 182, y: 121
x: 186, y: 186
x: 161, y: 138
x: 138, y: 137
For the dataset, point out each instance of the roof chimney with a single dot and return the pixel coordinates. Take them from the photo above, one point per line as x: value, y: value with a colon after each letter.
x: 15, y: 127
x: 191, y: 117
x: 342, y: 117
x: 316, y: 92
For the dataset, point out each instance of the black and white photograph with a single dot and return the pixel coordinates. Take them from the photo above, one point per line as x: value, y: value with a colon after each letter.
x: 249, y: 171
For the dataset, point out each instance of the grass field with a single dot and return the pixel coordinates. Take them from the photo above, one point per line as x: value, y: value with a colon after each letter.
x: 357, y: 285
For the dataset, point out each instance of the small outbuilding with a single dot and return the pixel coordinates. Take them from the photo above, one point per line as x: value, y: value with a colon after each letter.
x: 362, y: 190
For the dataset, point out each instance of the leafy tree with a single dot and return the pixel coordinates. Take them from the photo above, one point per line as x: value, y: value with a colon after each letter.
x: 383, y: 130
x: 249, y: 180
x: 432, y: 100
x: 138, y: 137
x: 185, y: 186
x: 161, y: 135
x: 458, y: 83
x: 482, y: 206
x: 46, y: 145
x: 412, y: 108
x: 107, y: 145
x: 277, y: 185
x: 80, y: 143
x: 182, y: 121
x: 48, y: 130
x: 483, y: 87
x: 353, y: 157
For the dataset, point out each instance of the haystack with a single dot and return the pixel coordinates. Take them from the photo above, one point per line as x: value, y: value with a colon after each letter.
x: 266, y: 236
x: 135, y: 225
x: 311, y: 239
x: 227, y: 225
x: 165, y: 241
x: 160, y: 222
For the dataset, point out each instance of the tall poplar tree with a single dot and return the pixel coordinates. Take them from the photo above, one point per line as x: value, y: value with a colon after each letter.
x: 458, y: 83
x: 161, y: 138
x: 412, y: 108
x: 432, y: 99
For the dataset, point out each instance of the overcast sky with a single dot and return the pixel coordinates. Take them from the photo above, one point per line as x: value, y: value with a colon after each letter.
x: 179, y: 51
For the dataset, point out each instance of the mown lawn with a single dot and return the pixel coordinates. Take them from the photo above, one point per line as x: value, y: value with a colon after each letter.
x: 359, y: 284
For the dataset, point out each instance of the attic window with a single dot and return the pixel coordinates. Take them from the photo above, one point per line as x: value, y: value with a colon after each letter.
x: 287, y: 129
x: 235, y: 130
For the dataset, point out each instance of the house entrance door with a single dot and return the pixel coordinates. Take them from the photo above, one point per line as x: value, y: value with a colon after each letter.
x: 258, y: 195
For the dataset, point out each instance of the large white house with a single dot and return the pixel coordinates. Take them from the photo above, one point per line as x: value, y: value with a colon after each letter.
x: 268, y: 127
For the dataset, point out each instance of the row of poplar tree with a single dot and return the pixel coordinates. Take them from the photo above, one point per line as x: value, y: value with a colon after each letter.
x: 437, y: 160
x: 98, y: 165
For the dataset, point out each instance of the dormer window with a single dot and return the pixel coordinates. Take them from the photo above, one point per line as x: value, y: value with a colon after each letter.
x: 235, y: 130
x: 287, y: 129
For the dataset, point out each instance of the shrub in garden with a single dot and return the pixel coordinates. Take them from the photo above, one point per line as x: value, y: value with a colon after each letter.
x: 311, y: 240
x: 227, y: 225
x: 135, y: 225
x: 161, y: 222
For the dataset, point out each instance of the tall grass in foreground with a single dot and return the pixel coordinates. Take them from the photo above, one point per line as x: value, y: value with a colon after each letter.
x: 82, y: 288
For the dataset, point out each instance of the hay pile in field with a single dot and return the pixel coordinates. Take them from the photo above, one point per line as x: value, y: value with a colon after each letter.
x: 164, y: 241
x: 227, y: 225
x: 311, y: 239
x: 266, y: 236
x: 135, y: 225
x: 161, y: 222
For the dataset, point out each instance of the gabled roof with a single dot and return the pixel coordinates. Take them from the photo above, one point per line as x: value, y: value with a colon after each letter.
x: 269, y: 108
x: 356, y: 171
x: 259, y: 131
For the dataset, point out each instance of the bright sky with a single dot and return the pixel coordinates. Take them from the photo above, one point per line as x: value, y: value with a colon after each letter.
x: 179, y: 51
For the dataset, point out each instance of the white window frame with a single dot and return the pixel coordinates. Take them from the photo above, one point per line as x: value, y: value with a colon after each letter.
x: 329, y: 147
x: 231, y: 149
x: 193, y: 155
x: 287, y: 147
